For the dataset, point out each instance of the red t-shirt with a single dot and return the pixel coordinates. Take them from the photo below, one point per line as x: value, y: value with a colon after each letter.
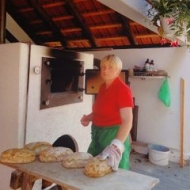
x: 109, y: 101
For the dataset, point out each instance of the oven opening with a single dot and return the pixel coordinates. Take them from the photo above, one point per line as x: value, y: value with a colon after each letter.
x: 61, y: 82
x: 65, y: 79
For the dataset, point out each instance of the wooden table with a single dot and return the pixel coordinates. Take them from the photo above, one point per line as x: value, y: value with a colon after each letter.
x: 74, y: 179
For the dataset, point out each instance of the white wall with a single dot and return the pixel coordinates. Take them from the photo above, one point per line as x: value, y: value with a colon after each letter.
x: 49, y: 124
x: 158, y: 124
x: 19, y: 114
x: 13, y: 84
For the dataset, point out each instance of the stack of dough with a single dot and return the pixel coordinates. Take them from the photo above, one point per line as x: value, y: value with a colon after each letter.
x: 17, y: 155
x: 54, y: 154
x: 76, y: 160
x: 97, y: 168
x: 37, y: 147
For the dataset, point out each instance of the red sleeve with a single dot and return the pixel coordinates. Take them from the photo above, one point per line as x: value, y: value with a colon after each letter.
x: 125, y: 97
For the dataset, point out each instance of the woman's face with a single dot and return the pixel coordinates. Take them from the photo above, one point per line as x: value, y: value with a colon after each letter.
x: 109, y: 72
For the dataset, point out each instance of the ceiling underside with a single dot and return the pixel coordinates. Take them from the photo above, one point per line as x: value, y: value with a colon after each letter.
x: 78, y: 25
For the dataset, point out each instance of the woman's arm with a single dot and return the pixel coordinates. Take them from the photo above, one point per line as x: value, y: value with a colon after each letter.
x: 126, y: 115
x: 86, y: 119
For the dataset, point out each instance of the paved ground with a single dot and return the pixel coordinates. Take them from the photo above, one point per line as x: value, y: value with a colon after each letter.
x: 172, y: 177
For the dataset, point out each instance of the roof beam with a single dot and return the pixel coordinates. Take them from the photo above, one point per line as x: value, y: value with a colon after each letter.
x: 113, y: 38
x: 136, y: 11
x: 149, y: 35
x: 127, y: 30
x: 53, y: 4
x: 40, y: 11
x: 86, y: 29
x: 116, y: 25
x: 18, y: 26
x: 100, y: 12
x: 121, y: 47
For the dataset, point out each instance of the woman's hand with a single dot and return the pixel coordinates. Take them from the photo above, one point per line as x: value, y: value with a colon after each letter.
x: 85, y: 120
x: 113, y: 154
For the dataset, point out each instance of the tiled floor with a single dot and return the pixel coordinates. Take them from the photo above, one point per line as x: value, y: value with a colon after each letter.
x: 172, y: 176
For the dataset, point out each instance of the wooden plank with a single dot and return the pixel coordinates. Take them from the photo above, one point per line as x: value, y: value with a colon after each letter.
x: 74, y: 179
x: 182, y: 97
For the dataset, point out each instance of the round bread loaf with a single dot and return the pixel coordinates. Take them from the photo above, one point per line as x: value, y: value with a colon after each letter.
x: 37, y: 147
x: 96, y: 168
x: 76, y: 160
x: 17, y: 155
x: 54, y: 154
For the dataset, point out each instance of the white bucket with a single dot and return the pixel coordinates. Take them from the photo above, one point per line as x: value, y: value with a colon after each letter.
x: 158, y: 154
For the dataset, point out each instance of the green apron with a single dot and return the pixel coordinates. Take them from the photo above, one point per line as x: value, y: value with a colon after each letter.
x: 102, y: 136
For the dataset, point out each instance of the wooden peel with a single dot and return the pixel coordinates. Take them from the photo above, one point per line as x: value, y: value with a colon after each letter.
x: 182, y: 98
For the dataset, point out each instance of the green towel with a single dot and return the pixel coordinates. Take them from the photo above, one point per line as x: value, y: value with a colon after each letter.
x: 164, y: 93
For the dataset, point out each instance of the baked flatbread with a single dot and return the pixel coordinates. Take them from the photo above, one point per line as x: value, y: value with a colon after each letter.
x: 54, y: 154
x: 96, y: 168
x: 17, y: 155
x: 76, y: 160
x: 37, y: 147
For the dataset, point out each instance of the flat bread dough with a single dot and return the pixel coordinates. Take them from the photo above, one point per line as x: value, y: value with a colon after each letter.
x: 17, y: 155
x: 54, y: 154
x: 37, y: 147
x: 76, y: 160
x: 97, y: 168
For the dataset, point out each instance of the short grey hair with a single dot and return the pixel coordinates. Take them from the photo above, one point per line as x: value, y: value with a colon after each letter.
x: 113, y: 60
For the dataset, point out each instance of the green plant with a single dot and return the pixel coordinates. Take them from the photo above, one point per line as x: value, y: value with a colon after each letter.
x: 177, y: 13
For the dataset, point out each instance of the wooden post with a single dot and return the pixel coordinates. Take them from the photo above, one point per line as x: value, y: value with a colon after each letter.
x: 182, y: 98
x: 2, y: 21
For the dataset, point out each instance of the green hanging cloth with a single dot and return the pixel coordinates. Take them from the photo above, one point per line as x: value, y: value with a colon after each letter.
x: 164, y: 93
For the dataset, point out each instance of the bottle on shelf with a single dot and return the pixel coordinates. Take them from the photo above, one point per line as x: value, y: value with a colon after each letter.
x: 147, y: 65
x: 151, y: 67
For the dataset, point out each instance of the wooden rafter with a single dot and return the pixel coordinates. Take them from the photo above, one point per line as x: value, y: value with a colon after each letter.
x: 99, y: 12
x: 147, y: 35
x: 113, y: 38
x: 22, y: 22
x: 78, y: 17
x: 127, y: 30
x: 40, y: 11
x: 116, y: 25
x: 53, y: 4
x: 78, y: 24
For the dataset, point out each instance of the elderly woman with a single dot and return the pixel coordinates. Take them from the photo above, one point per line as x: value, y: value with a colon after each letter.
x: 111, y: 116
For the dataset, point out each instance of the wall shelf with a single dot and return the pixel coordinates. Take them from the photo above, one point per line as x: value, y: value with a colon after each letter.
x: 141, y: 74
x: 147, y: 77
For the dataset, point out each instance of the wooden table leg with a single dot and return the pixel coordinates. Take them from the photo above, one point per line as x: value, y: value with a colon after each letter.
x: 16, y: 179
x: 28, y: 182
